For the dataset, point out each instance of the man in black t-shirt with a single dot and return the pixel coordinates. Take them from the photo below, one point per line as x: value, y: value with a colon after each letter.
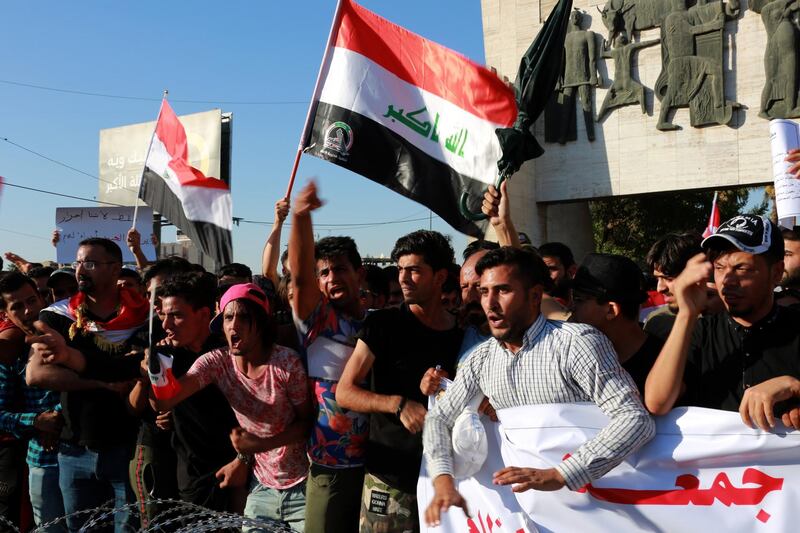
x: 197, y: 429
x: 606, y: 293
x: 746, y: 358
x: 399, y: 346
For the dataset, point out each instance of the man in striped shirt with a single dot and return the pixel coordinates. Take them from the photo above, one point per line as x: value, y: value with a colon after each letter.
x: 531, y: 360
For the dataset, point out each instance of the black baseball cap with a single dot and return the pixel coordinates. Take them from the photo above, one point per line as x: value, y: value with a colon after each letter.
x: 68, y: 272
x: 613, y: 278
x: 752, y: 234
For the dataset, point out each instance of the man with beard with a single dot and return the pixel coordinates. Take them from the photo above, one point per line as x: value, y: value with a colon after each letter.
x: 746, y: 358
x: 528, y: 361
x: 790, y: 283
x: 96, y: 334
x: 398, y: 346
x: 328, y: 313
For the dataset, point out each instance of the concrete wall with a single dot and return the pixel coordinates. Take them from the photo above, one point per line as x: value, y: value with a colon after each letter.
x: 629, y: 155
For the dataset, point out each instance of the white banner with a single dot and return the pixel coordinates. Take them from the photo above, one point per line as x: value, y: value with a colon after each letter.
x: 78, y: 223
x: 704, y: 471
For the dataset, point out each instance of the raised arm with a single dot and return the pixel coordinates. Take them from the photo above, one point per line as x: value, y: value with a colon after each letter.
x: 134, y: 240
x: 302, y: 264
x: 272, y: 248
x: 497, y: 207
x: 665, y: 380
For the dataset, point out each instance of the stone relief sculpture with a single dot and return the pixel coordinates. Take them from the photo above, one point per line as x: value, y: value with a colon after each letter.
x: 581, y: 52
x: 692, y: 66
x: 635, y: 15
x: 779, y: 96
x: 624, y: 89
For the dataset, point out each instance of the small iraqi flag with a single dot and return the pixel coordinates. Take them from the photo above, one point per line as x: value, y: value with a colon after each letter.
x: 713, y: 219
x: 409, y: 114
x: 197, y: 205
x: 163, y: 381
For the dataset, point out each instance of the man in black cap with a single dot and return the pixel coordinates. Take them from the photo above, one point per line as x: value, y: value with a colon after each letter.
x: 606, y: 293
x: 62, y: 284
x: 746, y: 358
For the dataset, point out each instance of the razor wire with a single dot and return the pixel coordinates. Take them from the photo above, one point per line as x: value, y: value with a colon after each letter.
x: 173, y: 516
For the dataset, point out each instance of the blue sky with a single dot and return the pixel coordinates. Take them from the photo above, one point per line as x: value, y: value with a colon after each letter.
x: 235, y: 51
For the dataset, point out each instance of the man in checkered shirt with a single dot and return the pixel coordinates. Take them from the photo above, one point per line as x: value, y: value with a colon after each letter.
x: 531, y: 360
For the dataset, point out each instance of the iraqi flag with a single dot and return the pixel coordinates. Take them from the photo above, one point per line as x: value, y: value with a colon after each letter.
x: 409, y: 114
x: 197, y: 205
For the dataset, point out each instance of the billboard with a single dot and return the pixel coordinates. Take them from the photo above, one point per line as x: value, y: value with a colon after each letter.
x: 123, y: 151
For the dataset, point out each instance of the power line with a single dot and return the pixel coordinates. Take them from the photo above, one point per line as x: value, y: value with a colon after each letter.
x: 24, y: 234
x: 150, y: 99
x: 57, y: 162
x: 354, y: 225
x: 61, y: 194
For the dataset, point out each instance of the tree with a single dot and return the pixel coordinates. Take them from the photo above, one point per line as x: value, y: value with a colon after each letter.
x: 629, y: 226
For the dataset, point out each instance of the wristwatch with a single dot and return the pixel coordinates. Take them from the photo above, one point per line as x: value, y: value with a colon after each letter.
x: 245, y: 458
x: 400, y: 407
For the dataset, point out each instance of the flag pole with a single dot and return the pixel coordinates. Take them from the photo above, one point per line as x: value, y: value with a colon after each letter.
x: 323, y: 70
x: 147, y: 155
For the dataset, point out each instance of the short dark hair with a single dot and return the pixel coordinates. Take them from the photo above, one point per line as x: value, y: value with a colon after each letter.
x: 377, y: 280
x: 392, y: 272
x: 110, y: 247
x: 167, y: 267
x: 40, y: 272
x: 434, y: 248
x: 332, y: 247
x: 13, y: 281
x: 559, y: 250
x: 788, y: 234
x: 478, y: 245
x: 235, y: 270
x: 528, y: 264
x: 198, y: 289
x: 126, y: 272
x: 628, y: 308
x: 670, y: 253
x: 453, y: 281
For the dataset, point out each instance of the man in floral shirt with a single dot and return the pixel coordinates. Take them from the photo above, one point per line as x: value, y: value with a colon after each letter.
x: 326, y: 279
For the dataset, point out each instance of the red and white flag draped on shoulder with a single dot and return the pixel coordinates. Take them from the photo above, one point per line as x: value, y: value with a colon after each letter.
x: 408, y: 113
x: 197, y: 205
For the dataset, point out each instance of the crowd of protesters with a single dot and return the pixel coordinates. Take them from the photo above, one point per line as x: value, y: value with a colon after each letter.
x: 302, y: 397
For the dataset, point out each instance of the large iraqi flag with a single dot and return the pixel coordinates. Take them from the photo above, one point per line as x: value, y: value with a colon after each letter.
x: 408, y: 113
x: 199, y: 206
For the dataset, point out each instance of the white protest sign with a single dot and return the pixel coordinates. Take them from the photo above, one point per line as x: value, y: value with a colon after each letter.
x: 784, y: 135
x: 704, y: 471
x: 78, y: 223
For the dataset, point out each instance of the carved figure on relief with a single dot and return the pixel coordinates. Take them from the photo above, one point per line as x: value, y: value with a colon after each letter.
x: 580, y: 75
x: 779, y: 96
x: 624, y: 89
x: 692, y: 67
x: 635, y: 15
